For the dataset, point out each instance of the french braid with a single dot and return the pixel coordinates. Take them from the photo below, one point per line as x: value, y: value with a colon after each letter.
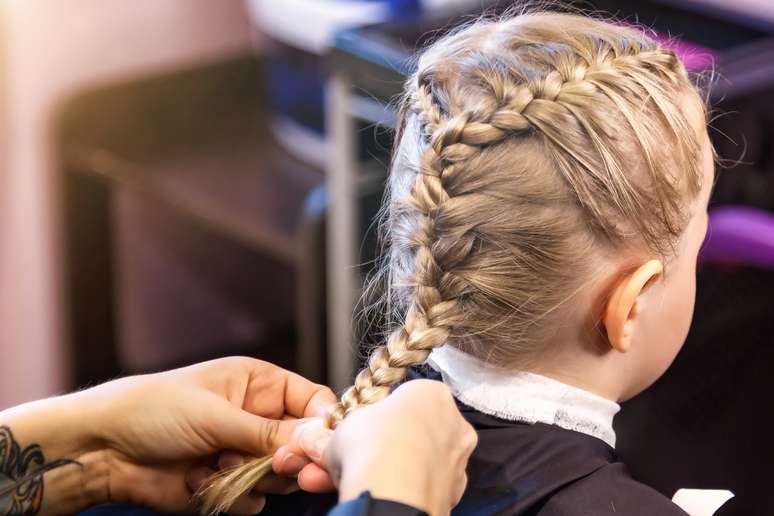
x: 453, y: 139
x: 433, y: 310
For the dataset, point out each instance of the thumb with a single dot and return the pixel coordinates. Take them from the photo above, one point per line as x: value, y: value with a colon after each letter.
x: 314, y: 439
x: 240, y: 430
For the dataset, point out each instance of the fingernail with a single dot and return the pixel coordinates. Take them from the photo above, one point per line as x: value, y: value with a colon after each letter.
x: 313, y: 441
x: 292, y: 464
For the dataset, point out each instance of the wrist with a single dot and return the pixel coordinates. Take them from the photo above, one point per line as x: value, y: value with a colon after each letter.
x: 58, y: 436
x: 63, y: 427
x: 75, y: 487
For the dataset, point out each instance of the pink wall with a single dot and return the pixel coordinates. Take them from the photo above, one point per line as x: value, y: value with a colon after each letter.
x: 53, y: 48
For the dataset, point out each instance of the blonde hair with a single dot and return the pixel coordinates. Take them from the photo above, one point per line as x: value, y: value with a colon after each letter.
x: 526, y: 147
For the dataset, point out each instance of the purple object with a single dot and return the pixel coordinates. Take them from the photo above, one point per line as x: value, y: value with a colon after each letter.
x: 740, y: 235
x: 695, y: 58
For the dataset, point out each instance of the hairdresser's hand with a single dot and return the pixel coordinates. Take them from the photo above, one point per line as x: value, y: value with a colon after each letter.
x: 165, y: 423
x: 138, y: 438
x: 412, y: 447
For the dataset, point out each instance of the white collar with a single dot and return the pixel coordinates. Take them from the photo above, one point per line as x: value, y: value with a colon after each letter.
x: 522, y: 396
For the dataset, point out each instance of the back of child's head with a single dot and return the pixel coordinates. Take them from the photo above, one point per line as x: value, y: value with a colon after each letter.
x: 528, y: 148
x: 532, y: 152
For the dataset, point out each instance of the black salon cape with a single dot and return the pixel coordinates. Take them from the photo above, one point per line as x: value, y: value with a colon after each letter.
x: 531, y: 470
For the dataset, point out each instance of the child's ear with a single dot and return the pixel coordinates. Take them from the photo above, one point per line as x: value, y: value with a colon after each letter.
x: 625, y: 304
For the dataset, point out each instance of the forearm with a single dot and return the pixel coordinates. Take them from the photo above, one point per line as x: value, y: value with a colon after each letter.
x: 50, y: 461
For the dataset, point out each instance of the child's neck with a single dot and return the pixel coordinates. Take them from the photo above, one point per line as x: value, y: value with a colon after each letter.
x: 598, y: 384
x: 593, y: 372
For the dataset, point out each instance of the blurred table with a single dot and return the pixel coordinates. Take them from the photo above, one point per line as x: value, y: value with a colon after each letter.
x: 181, y: 223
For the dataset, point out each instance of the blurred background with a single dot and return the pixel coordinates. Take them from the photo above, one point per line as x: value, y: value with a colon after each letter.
x: 187, y: 179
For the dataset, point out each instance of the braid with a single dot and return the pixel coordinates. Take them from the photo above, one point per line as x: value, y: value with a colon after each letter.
x: 453, y: 139
x: 517, y: 107
x: 433, y: 310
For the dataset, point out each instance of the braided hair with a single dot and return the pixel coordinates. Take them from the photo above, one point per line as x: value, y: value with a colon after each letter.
x: 527, y: 147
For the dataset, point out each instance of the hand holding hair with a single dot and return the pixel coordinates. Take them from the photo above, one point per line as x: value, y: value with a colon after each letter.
x: 142, y: 439
x: 411, y: 447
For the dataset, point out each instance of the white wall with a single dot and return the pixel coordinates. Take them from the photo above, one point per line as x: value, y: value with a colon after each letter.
x: 52, y: 49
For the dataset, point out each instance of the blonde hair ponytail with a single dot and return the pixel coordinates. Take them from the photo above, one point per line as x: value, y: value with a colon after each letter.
x: 527, y: 148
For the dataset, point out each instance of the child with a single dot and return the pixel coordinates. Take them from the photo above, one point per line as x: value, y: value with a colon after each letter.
x: 546, y: 205
x: 547, y: 202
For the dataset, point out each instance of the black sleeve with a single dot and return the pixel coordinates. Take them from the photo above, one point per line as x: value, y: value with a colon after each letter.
x: 364, y: 505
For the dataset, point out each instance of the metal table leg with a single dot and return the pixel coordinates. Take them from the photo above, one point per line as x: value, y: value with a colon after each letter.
x: 342, y: 285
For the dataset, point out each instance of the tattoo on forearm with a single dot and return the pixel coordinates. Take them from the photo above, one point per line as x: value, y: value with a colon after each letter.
x: 15, y: 464
x: 21, y: 475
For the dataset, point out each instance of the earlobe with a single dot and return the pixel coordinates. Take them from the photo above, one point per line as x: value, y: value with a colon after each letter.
x: 625, y: 304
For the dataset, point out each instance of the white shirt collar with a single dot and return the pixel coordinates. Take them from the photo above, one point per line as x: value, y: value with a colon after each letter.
x: 522, y: 396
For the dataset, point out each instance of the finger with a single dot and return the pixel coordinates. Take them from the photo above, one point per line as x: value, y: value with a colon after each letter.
x: 197, y: 477
x: 230, y: 459
x: 313, y: 439
x: 161, y: 486
x: 236, y: 429
x: 274, y: 484
x: 287, y: 463
x: 306, y: 399
x: 285, y: 392
x: 247, y: 505
x: 315, y: 479
x: 320, y: 403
